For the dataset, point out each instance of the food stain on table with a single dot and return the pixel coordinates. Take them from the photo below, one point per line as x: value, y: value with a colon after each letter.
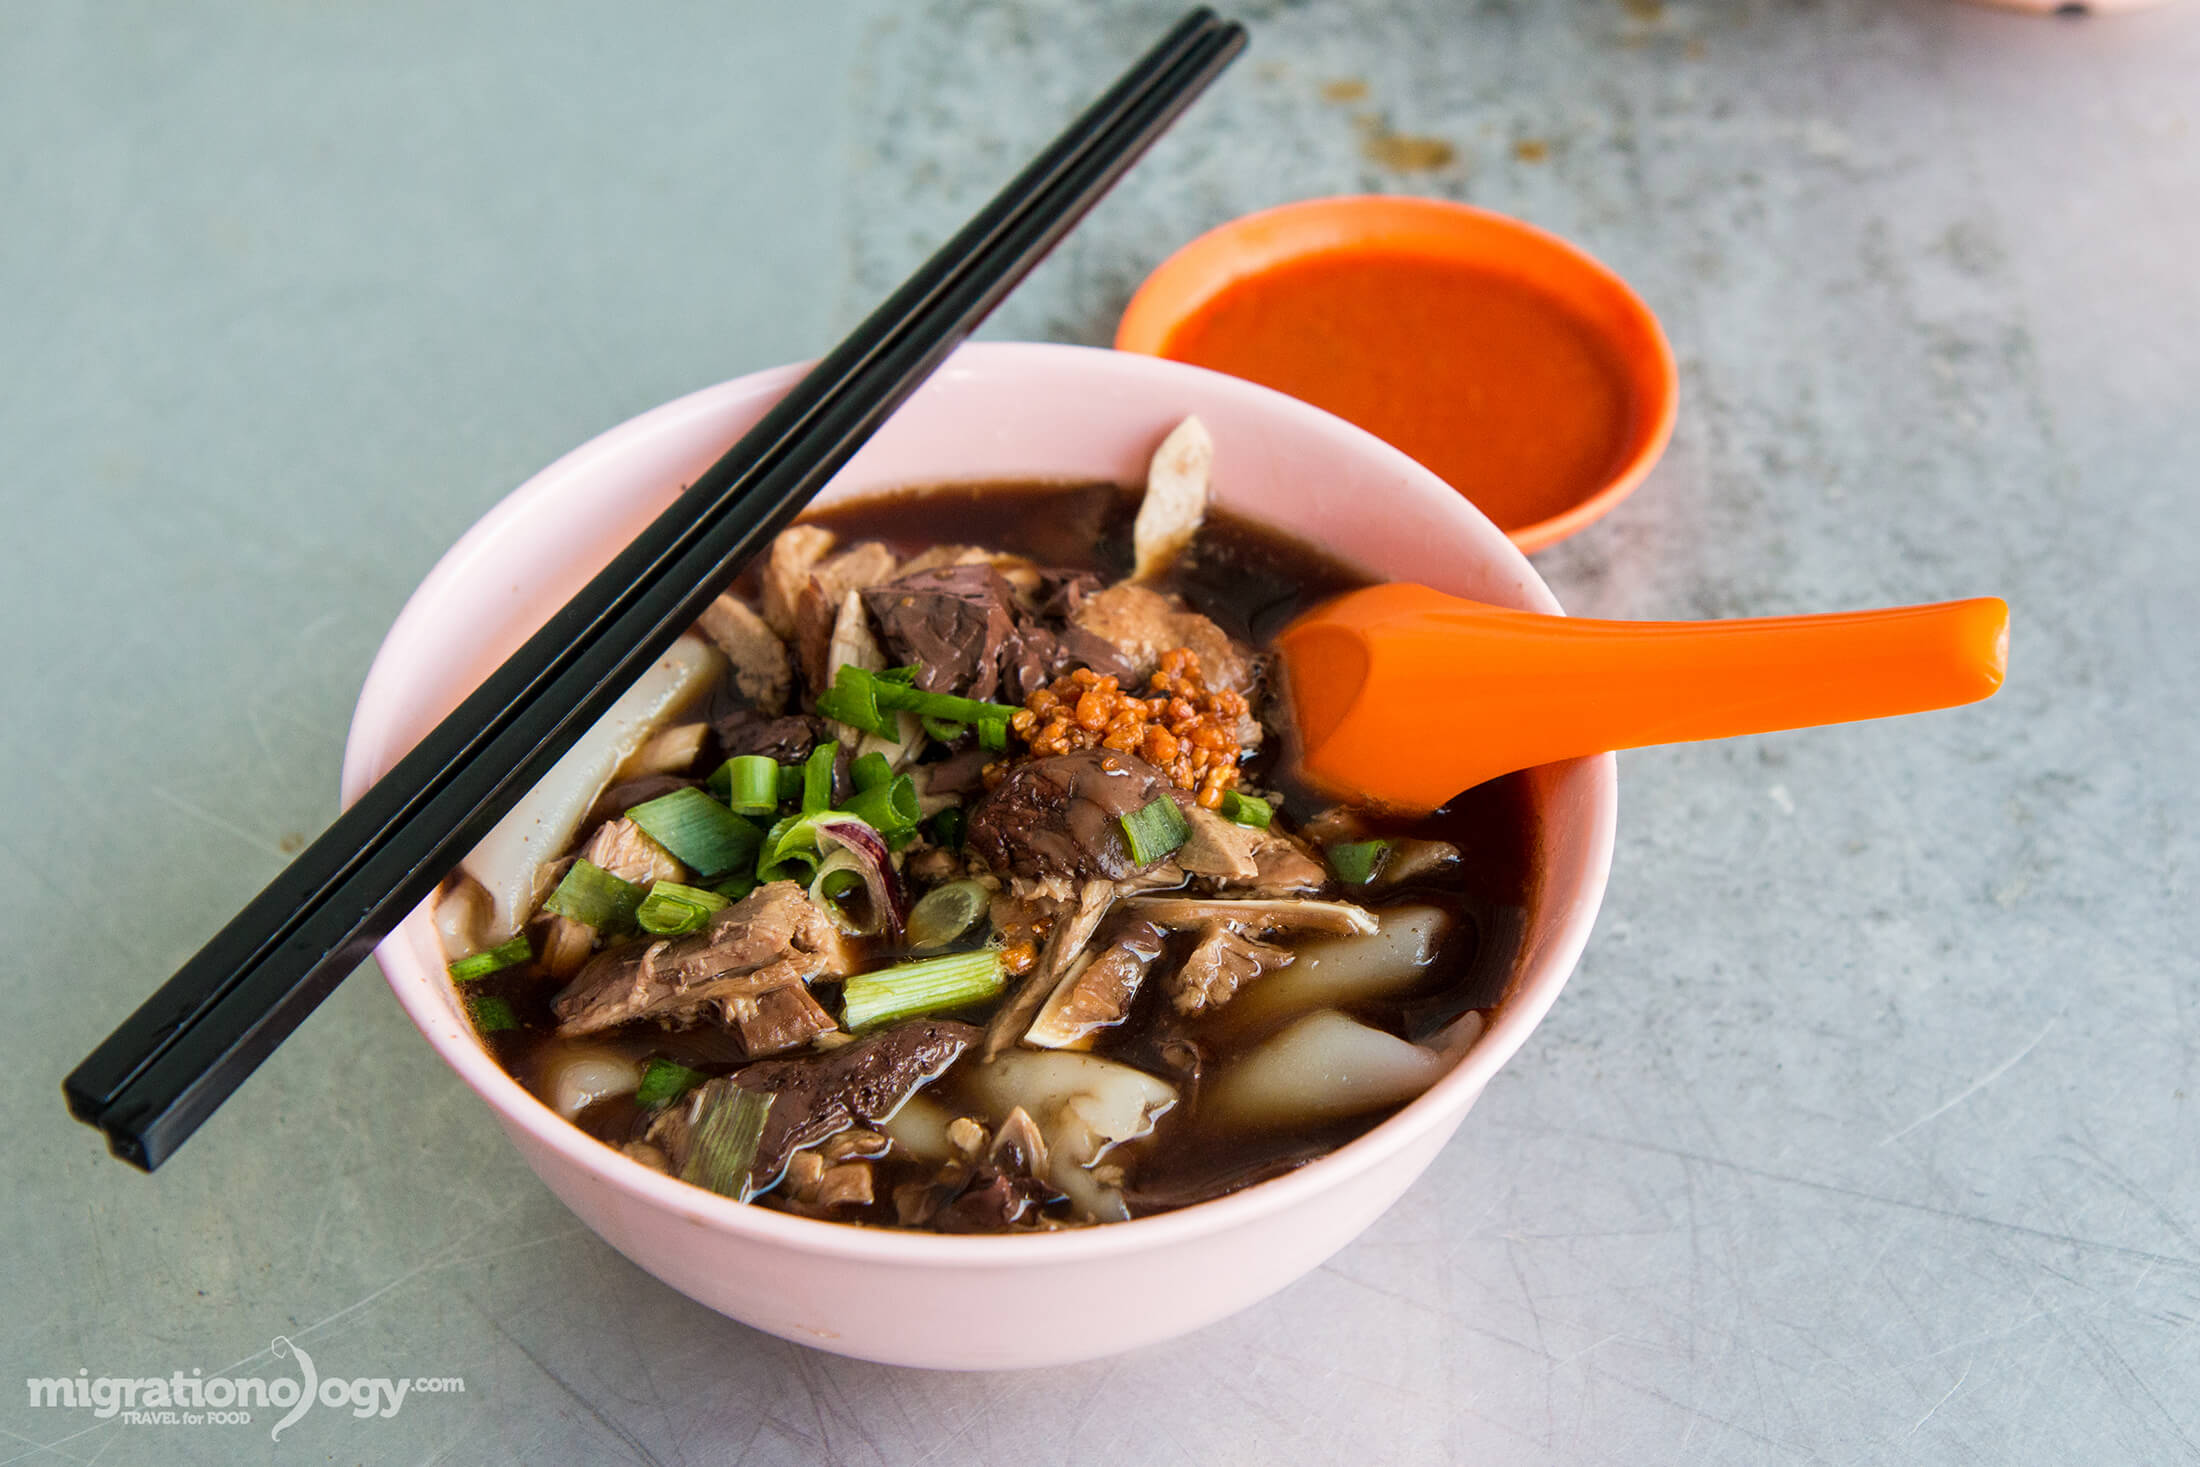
x: 1404, y: 152
x: 1488, y: 381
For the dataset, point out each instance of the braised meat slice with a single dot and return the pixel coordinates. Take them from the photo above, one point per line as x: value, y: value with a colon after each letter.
x: 950, y: 623
x: 1039, y: 653
x: 1061, y: 815
x: 1239, y: 860
x: 788, y: 740
x: 627, y: 793
x: 966, y: 630
x: 758, y: 657
x: 795, y: 553
x: 1141, y: 623
x: 778, y: 1020
x: 773, y: 938
x: 821, y: 1095
x: 1222, y: 963
x: 1217, y: 847
x: 1097, y: 995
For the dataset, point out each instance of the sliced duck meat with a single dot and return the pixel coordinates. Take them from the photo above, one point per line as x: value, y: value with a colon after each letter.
x: 778, y: 1020
x: 1283, y: 867
x: 1097, y: 995
x: 1066, y: 937
x: 950, y: 623
x: 861, y: 565
x: 821, y: 1095
x: 1416, y: 860
x: 816, y: 613
x: 627, y: 793
x: 620, y: 848
x: 760, y: 669
x: 794, y: 554
x: 1217, y: 847
x: 1223, y: 962
x: 960, y: 773
x: 1258, y: 914
x: 788, y: 740
x: 671, y: 750
x: 994, y: 1202
x: 1040, y: 653
x: 772, y: 938
x: 1062, y: 815
x: 1240, y: 860
x: 1141, y: 623
x: 1021, y: 571
x: 967, y: 631
x: 854, y: 644
x: 1061, y: 592
x: 626, y: 851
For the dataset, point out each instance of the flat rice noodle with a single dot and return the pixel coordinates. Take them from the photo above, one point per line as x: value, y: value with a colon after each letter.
x: 515, y: 862
x: 1334, y: 971
x: 1084, y: 1105
x: 1323, y: 1067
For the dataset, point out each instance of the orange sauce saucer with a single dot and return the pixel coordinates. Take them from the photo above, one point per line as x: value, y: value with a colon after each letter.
x: 1522, y: 371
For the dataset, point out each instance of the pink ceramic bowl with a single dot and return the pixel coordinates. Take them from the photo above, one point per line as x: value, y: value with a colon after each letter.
x: 994, y: 412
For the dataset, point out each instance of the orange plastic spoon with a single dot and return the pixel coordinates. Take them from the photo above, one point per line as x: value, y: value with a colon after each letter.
x: 1405, y: 696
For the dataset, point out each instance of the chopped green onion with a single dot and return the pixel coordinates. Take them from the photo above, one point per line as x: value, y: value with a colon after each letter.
x: 887, y: 808
x: 853, y: 700
x: 789, y: 852
x: 870, y: 771
x: 491, y: 1015
x: 752, y: 784
x: 796, y: 865
x: 841, y: 875
x: 947, y: 827
x: 1155, y: 830
x: 946, y: 912
x: 817, y: 778
x: 1358, y: 862
x: 946, y: 730
x: 1246, y: 809
x: 938, y: 705
x: 704, y: 835
x: 790, y: 783
x: 724, y: 1142
x: 878, y: 695
x: 672, y: 910
x: 482, y: 964
x: 733, y: 888
x: 664, y: 1082
x: 897, y: 839
x: 593, y: 897
x: 993, y: 734
x: 924, y: 987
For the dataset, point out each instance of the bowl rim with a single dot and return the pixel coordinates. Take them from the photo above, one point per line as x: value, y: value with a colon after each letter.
x: 1459, y: 233
x: 374, y: 743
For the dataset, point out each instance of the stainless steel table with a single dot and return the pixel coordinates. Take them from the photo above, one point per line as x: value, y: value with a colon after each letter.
x: 1867, y: 1130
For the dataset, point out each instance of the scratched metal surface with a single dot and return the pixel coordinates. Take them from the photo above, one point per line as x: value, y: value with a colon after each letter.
x: 1866, y: 1132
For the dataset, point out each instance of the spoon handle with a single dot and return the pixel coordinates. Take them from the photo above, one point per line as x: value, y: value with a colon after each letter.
x: 1409, y: 696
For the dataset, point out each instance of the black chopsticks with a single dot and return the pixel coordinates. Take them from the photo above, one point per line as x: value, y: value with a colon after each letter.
x: 172, y: 1063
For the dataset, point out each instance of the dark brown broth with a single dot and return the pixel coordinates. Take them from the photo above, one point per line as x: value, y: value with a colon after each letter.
x: 1252, y: 580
